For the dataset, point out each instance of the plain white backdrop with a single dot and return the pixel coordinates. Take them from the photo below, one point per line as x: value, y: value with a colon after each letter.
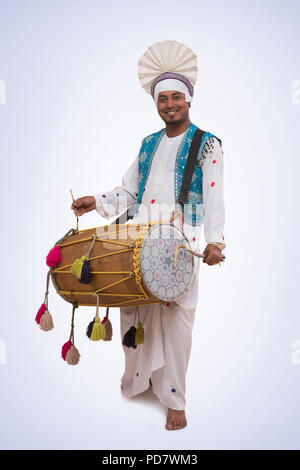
x: 72, y: 115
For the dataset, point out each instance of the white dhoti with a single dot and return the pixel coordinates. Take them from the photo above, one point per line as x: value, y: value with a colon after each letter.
x: 165, y: 354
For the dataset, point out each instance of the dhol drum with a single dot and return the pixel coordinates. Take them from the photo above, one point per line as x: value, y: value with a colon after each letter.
x: 130, y: 264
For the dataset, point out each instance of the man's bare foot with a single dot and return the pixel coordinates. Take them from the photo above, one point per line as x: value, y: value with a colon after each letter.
x: 176, y: 419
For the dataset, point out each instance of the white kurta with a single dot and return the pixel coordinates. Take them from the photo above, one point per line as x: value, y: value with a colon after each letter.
x: 164, y: 356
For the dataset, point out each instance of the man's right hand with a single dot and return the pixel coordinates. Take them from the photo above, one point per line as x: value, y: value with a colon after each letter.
x: 83, y: 204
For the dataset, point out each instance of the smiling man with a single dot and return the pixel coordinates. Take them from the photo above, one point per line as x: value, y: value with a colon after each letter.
x: 168, y: 71
x: 174, y: 110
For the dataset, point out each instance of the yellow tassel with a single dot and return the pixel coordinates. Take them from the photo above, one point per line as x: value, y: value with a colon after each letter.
x: 77, y: 266
x: 139, y: 335
x: 98, y: 331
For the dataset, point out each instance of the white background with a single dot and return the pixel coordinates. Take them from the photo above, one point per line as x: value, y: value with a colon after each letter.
x: 74, y: 117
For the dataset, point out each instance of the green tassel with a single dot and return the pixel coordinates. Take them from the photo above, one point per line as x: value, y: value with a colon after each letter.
x: 98, y: 331
x: 139, y: 335
x: 77, y: 266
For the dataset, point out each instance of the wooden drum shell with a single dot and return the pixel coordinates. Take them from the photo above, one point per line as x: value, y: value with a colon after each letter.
x: 112, y: 267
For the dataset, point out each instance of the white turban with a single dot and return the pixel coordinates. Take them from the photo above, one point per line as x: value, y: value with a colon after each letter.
x: 172, y: 84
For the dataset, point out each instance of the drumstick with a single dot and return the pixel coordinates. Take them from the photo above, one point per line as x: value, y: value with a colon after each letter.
x: 74, y: 201
x: 72, y: 195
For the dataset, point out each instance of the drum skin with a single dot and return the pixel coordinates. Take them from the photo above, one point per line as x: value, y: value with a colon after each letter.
x: 117, y: 261
x: 113, y: 266
x: 161, y: 276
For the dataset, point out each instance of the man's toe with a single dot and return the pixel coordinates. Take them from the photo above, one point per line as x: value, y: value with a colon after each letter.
x: 170, y: 425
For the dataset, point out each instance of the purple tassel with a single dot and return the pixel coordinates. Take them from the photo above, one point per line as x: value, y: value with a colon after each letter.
x: 86, y: 276
x: 129, y: 338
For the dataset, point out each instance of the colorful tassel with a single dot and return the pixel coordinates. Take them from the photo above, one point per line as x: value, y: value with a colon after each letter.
x: 90, y: 328
x: 43, y: 316
x: 73, y: 356
x: 86, y: 276
x: 108, y: 327
x: 96, y: 330
x: 81, y: 266
x: 65, y: 349
x: 53, y: 257
x: 139, y: 335
x: 77, y: 266
x: 129, y: 338
x: 134, y: 336
x: 40, y: 312
x: 46, y: 321
x: 69, y: 352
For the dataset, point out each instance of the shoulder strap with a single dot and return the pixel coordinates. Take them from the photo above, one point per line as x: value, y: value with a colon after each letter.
x: 122, y: 219
x: 190, y: 165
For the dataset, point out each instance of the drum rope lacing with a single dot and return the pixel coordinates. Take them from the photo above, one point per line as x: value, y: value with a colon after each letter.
x: 75, y: 305
x: 47, y: 289
x: 136, y: 254
x: 72, y: 231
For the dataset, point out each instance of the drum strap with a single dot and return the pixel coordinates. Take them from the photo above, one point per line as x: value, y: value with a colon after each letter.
x: 190, y: 165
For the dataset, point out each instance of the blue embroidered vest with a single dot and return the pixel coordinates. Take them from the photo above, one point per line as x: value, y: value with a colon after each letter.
x: 193, y: 209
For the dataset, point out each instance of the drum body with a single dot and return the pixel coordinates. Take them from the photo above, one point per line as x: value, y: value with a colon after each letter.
x: 131, y: 264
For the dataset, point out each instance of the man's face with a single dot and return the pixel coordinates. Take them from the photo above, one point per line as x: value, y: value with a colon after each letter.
x: 172, y: 107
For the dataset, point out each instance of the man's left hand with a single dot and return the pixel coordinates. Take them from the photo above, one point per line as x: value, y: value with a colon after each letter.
x: 212, y: 255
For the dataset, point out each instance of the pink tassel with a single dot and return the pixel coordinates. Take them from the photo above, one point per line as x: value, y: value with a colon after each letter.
x: 65, y: 349
x: 53, y: 257
x: 41, y: 310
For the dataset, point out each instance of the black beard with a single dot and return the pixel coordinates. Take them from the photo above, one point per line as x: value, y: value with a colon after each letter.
x: 173, y: 123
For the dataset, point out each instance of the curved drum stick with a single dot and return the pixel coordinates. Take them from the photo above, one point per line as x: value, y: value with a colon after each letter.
x: 199, y: 255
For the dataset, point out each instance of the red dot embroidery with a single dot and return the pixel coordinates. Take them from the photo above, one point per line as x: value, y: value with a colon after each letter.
x: 222, y: 237
x: 214, y: 161
x: 152, y: 201
x: 212, y: 184
x: 194, y: 238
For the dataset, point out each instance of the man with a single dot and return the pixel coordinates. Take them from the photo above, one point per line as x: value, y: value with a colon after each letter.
x: 153, y: 181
